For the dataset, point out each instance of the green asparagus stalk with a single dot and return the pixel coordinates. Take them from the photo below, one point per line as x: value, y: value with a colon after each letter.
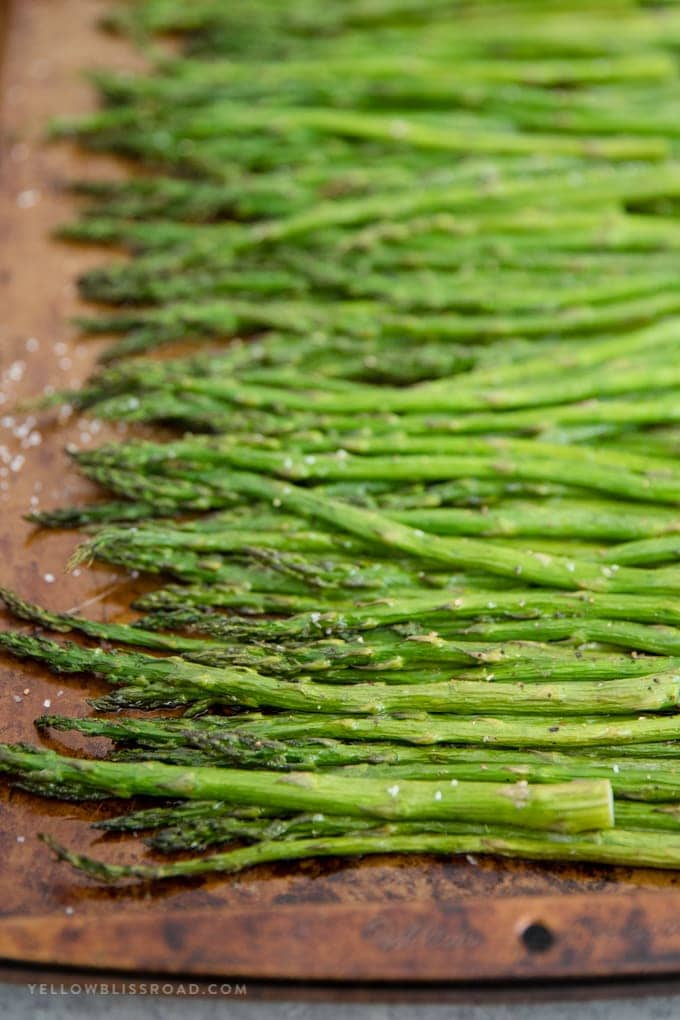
x: 507, y: 291
x: 570, y: 807
x: 632, y: 778
x: 616, y: 846
x: 661, y: 549
x: 204, y: 412
x: 66, y: 622
x: 549, y: 733
x: 212, y: 451
x: 421, y: 607
x: 203, y: 833
x: 659, y: 817
x: 642, y: 478
x: 201, y: 837
x: 657, y: 640
x: 563, y: 518
x: 511, y: 362
x: 465, y: 553
x: 149, y: 329
x: 159, y: 817
x: 246, y: 687
x: 209, y: 29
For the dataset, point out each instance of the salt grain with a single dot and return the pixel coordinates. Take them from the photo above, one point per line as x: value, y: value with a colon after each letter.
x: 27, y: 199
x: 399, y: 128
x: 16, y: 371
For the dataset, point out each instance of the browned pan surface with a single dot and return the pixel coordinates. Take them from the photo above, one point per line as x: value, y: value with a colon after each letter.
x: 401, y: 919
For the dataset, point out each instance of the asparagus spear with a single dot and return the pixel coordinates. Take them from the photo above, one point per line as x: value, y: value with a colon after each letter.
x: 419, y: 607
x: 159, y: 817
x: 550, y: 733
x: 564, y: 518
x: 149, y: 329
x: 504, y: 290
x: 65, y: 622
x: 206, y: 832
x: 183, y: 816
x: 466, y: 553
x: 537, y: 29
x: 212, y: 451
x: 530, y: 661
x: 634, y: 778
x: 615, y: 846
x: 661, y: 640
x: 204, y: 412
x: 242, y: 686
x: 570, y: 807
x: 511, y: 361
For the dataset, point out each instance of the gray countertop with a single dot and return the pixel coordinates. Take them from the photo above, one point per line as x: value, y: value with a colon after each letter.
x: 62, y: 1002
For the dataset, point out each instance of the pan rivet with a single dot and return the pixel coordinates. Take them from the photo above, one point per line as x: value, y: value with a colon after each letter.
x: 537, y: 937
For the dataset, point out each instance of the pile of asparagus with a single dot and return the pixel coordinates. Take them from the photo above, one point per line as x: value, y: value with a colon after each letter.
x: 414, y: 511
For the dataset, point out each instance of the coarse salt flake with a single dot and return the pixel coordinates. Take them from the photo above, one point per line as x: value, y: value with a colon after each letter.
x: 28, y: 198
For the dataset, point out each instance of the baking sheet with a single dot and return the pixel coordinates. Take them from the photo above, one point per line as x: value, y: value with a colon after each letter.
x: 382, y: 919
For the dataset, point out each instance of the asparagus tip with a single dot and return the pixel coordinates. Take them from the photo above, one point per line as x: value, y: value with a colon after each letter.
x: 31, y: 612
x: 81, y: 862
x: 82, y: 556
